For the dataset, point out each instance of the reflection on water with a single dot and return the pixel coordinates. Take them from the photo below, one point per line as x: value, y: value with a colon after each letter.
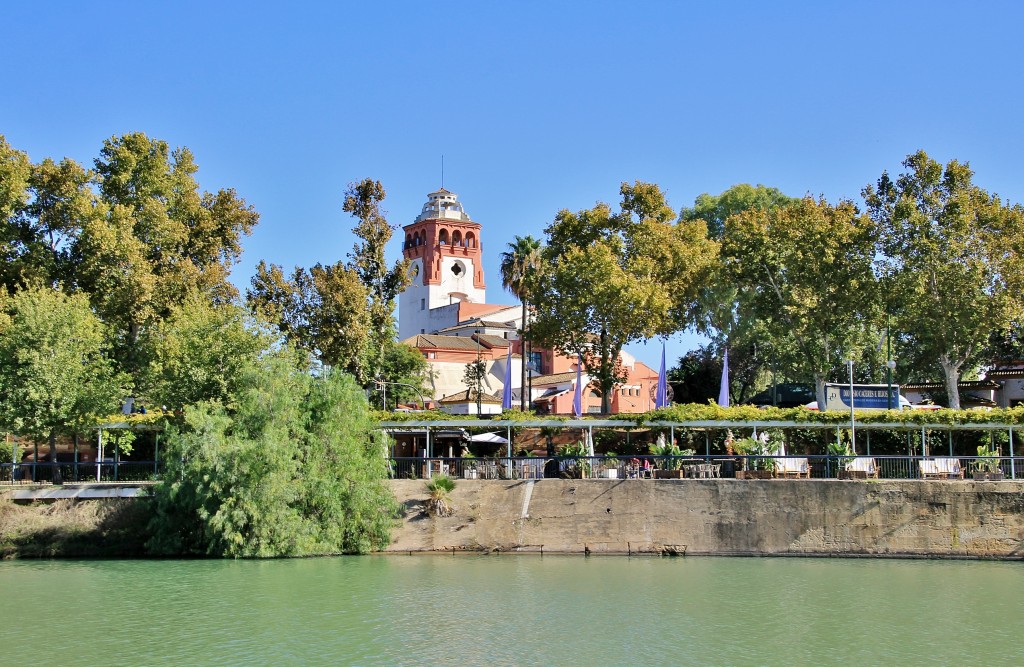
x: 511, y: 610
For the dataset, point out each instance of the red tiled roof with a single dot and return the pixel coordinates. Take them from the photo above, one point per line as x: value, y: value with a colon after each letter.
x: 557, y: 378
x: 438, y: 342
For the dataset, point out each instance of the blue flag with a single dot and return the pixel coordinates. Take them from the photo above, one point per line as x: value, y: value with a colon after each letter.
x: 506, y: 394
x: 723, y: 390
x: 661, y: 393
x: 577, y: 399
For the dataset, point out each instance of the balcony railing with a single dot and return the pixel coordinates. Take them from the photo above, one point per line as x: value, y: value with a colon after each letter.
x: 653, y: 467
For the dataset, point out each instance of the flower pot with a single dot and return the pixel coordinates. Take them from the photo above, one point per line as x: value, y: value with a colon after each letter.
x: 983, y: 475
x: 610, y: 473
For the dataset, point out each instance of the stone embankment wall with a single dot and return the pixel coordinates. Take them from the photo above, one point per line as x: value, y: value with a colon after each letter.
x: 723, y: 517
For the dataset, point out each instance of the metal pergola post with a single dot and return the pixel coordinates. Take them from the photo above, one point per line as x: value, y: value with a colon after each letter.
x: 1013, y: 468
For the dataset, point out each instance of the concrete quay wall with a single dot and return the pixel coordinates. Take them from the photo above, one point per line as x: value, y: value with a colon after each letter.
x: 957, y: 518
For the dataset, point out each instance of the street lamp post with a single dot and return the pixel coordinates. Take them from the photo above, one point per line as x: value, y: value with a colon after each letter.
x: 853, y: 424
x: 383, y: 385
x: 478, y: 374
x: 889, y: 365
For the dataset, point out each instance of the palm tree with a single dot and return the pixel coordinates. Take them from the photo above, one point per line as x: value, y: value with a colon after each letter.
x: 518, y: 265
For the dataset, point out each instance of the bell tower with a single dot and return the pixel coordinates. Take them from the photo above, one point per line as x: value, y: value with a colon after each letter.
x: 443, y: 246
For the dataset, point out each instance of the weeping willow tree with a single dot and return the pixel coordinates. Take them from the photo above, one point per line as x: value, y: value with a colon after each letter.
x: 292, y: 467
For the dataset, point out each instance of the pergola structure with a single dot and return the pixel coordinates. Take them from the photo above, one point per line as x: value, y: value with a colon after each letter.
x: 589, y: 425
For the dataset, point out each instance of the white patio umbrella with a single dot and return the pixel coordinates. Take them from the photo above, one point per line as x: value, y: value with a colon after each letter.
x: 491, y: 438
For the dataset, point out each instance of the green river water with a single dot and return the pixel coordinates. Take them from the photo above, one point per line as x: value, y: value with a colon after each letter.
x: 512, y: 610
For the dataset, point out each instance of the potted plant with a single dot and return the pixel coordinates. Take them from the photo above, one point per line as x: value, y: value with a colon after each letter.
x: 670, y: 463
x: 744, y: 447
x: 843, y: 454
x: 986, y: 466
x: 579, y: 467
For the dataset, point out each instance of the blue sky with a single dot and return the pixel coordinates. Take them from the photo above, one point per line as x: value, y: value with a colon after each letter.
x: 536, y: 106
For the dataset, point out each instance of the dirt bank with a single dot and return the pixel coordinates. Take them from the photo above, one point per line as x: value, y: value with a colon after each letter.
x: 114, y: 528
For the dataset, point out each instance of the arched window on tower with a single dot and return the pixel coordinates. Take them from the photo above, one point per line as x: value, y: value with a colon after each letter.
x: 470, y: 240
x: 457, y: 238
x: 408, y: 241
x: 443, y: 237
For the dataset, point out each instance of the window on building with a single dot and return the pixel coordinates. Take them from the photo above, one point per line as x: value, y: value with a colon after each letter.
x: 423, y: 304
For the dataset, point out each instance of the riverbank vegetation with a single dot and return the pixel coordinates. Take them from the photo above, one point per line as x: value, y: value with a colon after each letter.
x: 292, y: 468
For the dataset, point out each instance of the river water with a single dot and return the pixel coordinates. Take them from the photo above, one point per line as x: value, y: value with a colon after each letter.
x: 512, y: 610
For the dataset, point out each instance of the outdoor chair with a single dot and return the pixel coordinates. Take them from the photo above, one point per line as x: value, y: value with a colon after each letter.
x: 941, y: 468
x: 865, y: 465
x: 789, y: 466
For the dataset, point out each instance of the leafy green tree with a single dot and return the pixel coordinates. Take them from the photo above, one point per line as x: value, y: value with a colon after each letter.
x: 473, y: 375
x: 199, y: 353
x: 383, y: 284
x: 15, y: 172
x: 293, y: 468
x: 696, y: 377
x: 160, y: 240
x: 616, y: 278
x: 406, y: 371
x: 43, y: 207
x: 54, y: 376
x: 808, y: 271
x: 721, y: 300
x: 321, y: 310
x: 343, y: 314
x: 951, y: 261
x: 520, y: 267
x: 714, y: 210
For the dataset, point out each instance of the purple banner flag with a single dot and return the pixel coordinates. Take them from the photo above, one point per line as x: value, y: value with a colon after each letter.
x: 577, y: 399
x: 506, y: 393
x: 723, y: 391
x: 661, y: 394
